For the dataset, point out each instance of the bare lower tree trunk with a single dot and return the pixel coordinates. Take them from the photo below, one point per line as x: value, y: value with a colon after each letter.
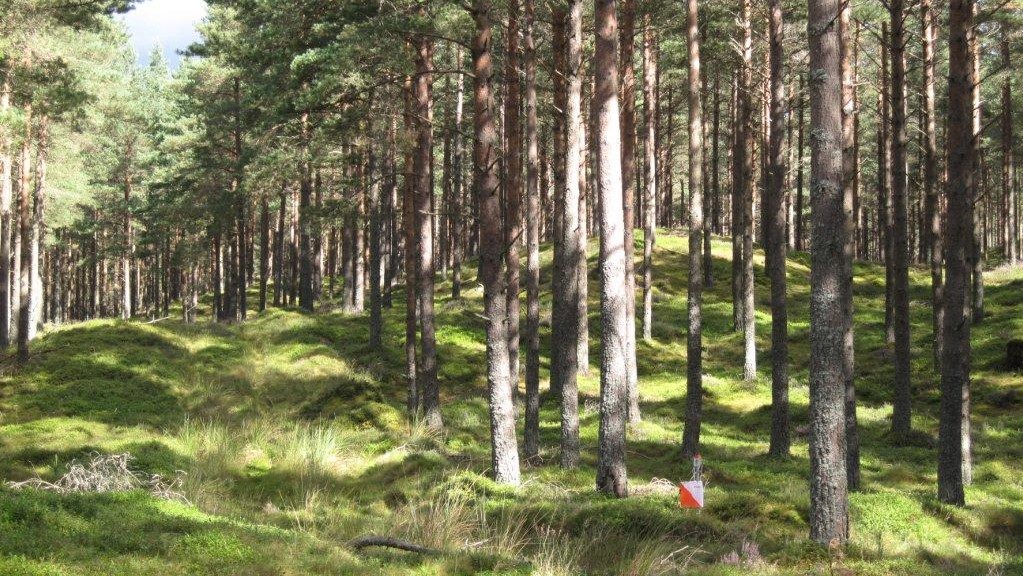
x: 749, y: 322
x: 23, y: 268
x: 886, y: 216
x: 6, y: 222
x: 777, y: 241
x: 375, y: 240
x: 627, y: 43
x: 800, y: 203
x: 849, y: 113
x: 829, y: 507
x: 956, y: 351
x: 486, y: 182
x: 1008, y: 163
x: 564, y: 334
x: 694, y: 337
x: 531, y: 439
x: 305, y: 225
x: 901, y: 414
x: 932, y: 207
x: 614, y: 309
x: 410, y: 226
x: 458, y: 227
x: 423, y: 88
x: 513, y: 183
x: 264, y: 250
x: 650, y: 186
x: 36, y: 266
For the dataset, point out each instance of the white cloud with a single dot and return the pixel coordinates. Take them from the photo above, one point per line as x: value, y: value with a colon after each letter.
x: 170, y: 23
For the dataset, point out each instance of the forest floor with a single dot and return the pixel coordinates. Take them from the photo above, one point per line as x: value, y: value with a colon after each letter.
x: 291, y: 435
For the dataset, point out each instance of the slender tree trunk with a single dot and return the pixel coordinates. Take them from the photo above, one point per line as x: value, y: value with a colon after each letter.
x: 800, y: 202
x: 36, y: 266
x: 614, y: 308
x: 24, y: 277
x: 423, y: 88
x: 738, y: 161
x: 749, y: 322
x: 513, y: 184
x: 973, y: 250
x: 932, y: 208
x: 849, y: 113
x: 376, y: 323
x: 264, y: 250
x: 650, y: 187
x: 777, y: 241
x: 6, y: 222
x: 694, y: 337
x: 486, y: 182
x: 901, y: 414
x: 279, y: 247
x: 956, y: 351
x: 305, y: 226
x: 626, y: 48
x: 887, y: 218
x: 565, y: 329
x: 411, y: 226
x: 1009, y: 200
x: 829, y: 507
x: 457, y: 225
x: 531, y: 438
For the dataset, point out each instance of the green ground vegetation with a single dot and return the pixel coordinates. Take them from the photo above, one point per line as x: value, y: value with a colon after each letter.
x: 291, y: 433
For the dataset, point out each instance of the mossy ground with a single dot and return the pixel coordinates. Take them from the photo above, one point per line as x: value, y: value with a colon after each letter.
x: 292, y: 434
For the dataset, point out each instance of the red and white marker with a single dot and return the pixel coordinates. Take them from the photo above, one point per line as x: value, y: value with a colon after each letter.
x: 690, y: 494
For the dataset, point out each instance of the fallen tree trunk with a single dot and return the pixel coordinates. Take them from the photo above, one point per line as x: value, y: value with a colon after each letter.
x: 386, y: 542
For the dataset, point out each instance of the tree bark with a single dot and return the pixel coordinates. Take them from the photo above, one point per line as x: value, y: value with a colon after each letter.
x: 410, y: 225
x: 902, y: 410
x: 565, y: 331
x: 777, y: 240
x: 749, y: 322
x: 423, y: 88
x: 531, y: 439
x: 932, y: 208
x: 513, y: 184
x: 1009, y: 200
x: 614, y: 309
x: 376, y: 323
x: 829, y: 508
x: 24, y: 277
x: 800, y: 202
x: 956, y: 351
x: 650, y: 186
x: 849, y: 113
x: 626, y: 48
x: 6, y: 222
x: 505, y: 456
x: 694, y: 337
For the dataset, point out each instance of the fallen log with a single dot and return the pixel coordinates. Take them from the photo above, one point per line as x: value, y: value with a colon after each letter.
x: 385, y: 542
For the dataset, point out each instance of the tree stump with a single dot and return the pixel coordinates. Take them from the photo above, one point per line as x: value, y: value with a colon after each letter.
x: 1014, y: 355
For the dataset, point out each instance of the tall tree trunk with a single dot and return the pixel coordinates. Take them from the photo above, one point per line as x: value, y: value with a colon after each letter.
x: 886, y: 216
x: 800, y: 202
x: 531, y: 439
x: 264, y: 250
x: 932, y: 208
x: 650, y: 186
x: 457, y: 225
x: 375, y: 240
x: 777, y: 241
x: 829, y: 507
x: 977, y: 256
x: 410, y: 226
x: 279, y: 273
x: 1009, y: 200
x: 6, y: 222
x: 36, y: 266
x: 241, y: 203
x: 486, y: 182
x: 626, y: 48
x: 423, y: 88
x: 902, y: 410
x: 305, y: 225
x: 749, y: 321
x: 565, y: 329
x: 956, y: 351
x: 24, y: 276
x: 694, y: 337
x: 614, y: 308
x: 849, y: 112
x: 513, y: 184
